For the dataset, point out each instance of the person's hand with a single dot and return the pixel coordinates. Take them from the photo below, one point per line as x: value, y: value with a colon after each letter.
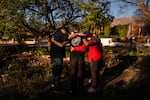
x: 71, y: 36
x: 52, y: 39
x: 89, y: 38
x: 71, y: 49
x: 82, y: 34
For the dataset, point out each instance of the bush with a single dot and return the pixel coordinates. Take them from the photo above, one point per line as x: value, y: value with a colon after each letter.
x: 40, y: 51
x: 30, y: 79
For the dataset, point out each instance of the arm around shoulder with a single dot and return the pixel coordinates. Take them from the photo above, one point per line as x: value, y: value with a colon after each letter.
x: 60, y: 44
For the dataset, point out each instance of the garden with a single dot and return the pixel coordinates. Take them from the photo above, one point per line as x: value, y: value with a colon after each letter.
x: 25, y: 70
x: 26, y: 74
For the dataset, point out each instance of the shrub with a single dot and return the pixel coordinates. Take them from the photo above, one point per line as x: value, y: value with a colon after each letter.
x: 40, y: 51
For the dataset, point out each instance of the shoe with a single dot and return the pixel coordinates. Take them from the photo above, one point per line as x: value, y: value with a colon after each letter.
x: 90, y: 81
x: 91, y: 90
x: 52, y: 85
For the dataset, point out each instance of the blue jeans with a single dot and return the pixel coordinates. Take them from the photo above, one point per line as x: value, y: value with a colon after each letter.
x: 56, y: 71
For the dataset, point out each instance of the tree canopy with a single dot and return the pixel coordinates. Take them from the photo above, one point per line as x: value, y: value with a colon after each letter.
x: 96, y: 15
x: 142, y: 4
x: 40, y: 17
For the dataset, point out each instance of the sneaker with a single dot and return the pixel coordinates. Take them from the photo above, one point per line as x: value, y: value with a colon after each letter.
x: 52, y: 85
x: 91, y: 90
x: 90, y: 81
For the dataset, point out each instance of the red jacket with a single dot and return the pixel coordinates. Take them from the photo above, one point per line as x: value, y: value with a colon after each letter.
x: 94, y: 52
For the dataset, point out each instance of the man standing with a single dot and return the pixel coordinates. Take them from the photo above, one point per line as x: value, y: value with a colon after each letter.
x: 57, y: 52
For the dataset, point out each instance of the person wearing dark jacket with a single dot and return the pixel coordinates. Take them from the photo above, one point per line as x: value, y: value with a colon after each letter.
x: 77, y: 66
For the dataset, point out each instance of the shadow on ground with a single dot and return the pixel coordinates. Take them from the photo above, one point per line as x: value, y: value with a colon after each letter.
x: 138, y: 90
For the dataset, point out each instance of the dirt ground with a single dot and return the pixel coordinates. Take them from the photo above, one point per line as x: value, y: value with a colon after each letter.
x: 127, y: 72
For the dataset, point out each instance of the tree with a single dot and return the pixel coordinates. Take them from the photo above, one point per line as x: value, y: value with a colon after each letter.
x: 40, y: 17
x: 36, y: 16
x: 43, y: 16
x: 142, y: 4
x: 121, y: 30
x: 9, y: 22
x: 141, y: 16
x: 142, y: 22
x: 96, y: 15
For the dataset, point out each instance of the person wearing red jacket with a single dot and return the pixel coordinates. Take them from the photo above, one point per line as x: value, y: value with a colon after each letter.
x: 95, y: 56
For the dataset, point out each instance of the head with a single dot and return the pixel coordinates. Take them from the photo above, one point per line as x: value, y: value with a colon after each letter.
x: 75, y: 30
x: 91, y: 34
x: 64, y: 30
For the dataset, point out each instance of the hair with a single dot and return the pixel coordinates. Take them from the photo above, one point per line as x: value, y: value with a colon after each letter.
x: 89, y: 34
x: 65, y: 28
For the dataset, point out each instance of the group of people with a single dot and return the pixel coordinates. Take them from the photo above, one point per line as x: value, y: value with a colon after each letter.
x: 79, y: 45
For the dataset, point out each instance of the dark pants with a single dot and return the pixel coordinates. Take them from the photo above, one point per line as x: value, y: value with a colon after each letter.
x: 77, y: 65
x: 95, y: 67
x: 56, y: 71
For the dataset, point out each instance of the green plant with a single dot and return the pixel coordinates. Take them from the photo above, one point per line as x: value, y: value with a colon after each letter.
x: 107, y: 31
x: 40, y: 51
x: 30, y: 79
x: 132, y: 53
x: 67, y: 52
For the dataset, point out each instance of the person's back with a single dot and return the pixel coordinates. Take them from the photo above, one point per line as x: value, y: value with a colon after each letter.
x: 94, y: 50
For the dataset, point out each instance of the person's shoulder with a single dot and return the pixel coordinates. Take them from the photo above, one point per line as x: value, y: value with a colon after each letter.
x: 96, y: 39
x: 57, y: 31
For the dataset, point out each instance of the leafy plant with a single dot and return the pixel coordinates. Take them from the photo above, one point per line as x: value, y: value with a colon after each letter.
x: 29, y: 78
x: 40, y: 51
x: 132, y: 53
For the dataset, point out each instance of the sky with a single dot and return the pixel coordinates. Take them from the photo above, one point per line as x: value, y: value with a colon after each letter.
x: 115, y: 11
